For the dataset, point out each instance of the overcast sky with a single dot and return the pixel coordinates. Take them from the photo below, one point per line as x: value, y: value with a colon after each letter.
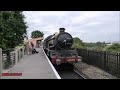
x: 89, y: 26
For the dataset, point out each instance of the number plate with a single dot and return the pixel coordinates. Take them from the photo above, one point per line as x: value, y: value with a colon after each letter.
x: 69, y: 60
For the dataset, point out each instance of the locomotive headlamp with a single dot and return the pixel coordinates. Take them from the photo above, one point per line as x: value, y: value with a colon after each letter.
x: 58, y: 61
x: 79, y: 60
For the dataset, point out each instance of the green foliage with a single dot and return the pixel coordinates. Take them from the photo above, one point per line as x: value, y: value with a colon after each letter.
x: 102, y: 46
x: 95, y: 46
x: 114, y: 47
x: 36, y: 34
x: 77, y: 43
x: 12, y: 29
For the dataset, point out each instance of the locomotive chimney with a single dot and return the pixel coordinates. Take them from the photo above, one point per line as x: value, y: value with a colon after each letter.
x: 62, y: 30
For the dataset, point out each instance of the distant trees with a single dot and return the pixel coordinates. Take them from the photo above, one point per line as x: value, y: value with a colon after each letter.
x: 77, y: 43
x: 102, y: 46
x: 114, y: 47
x: 12, y: 29
x: 98, y: 46
x: 36, y: 34
x: 95, y: 46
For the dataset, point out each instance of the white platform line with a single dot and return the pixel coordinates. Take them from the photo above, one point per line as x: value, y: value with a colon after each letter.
x: 57, y: 75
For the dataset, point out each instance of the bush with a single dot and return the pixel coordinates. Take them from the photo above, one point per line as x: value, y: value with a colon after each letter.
x: 114, y: 47
x: 77, y: 43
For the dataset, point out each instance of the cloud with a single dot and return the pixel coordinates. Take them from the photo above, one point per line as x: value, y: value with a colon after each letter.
x: 90, y: 26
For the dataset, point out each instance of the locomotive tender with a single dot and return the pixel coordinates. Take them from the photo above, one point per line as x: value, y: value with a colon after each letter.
x: 58, y: 48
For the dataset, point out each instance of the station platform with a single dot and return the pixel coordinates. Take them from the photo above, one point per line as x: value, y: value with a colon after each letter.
x: 35, y: 66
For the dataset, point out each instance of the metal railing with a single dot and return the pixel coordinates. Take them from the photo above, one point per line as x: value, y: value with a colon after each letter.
x: 107, y: 61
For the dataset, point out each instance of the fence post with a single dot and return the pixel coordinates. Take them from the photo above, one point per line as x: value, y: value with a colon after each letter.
x: 119, y: 65
x: 11, y: 58
x: 16, y: 56
x: 23, y: 52
x: 1, y: 69
x: 105, y: 59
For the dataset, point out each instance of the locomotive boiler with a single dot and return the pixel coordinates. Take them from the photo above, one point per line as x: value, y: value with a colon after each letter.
x: 58, y: 48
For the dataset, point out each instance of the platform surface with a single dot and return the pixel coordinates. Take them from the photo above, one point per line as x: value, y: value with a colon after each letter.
x: 35, y: 66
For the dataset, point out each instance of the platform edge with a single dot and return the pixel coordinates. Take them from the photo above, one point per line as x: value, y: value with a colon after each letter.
x: 57, y: 75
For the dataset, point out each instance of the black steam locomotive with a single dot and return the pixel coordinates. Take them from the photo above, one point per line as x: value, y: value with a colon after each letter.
x: 58, y: 48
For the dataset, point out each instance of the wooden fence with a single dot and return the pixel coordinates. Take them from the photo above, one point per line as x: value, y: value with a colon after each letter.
x: 107, y: 61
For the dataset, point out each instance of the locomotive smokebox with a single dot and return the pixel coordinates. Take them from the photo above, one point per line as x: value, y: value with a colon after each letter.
x: 62, y: 30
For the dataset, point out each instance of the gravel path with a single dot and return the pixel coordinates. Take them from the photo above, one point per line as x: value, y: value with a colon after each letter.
x: 93, y: 72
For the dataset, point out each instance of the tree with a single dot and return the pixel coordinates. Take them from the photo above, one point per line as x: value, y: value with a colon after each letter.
x: 96, y: 46
x: 77, y: 43
x: 36, y: 34
x: 114, y: 47
x: 12, y: 29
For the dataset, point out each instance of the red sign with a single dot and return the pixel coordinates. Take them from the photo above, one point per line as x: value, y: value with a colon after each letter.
x: 11, y: 74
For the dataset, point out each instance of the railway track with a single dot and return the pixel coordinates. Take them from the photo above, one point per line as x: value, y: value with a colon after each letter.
x: 70, y: 74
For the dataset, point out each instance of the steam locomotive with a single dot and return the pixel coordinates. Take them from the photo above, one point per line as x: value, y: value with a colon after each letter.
x: 58, y: 48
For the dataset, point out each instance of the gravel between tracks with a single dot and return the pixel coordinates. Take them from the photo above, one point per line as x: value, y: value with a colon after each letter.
x: 93, y: 72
